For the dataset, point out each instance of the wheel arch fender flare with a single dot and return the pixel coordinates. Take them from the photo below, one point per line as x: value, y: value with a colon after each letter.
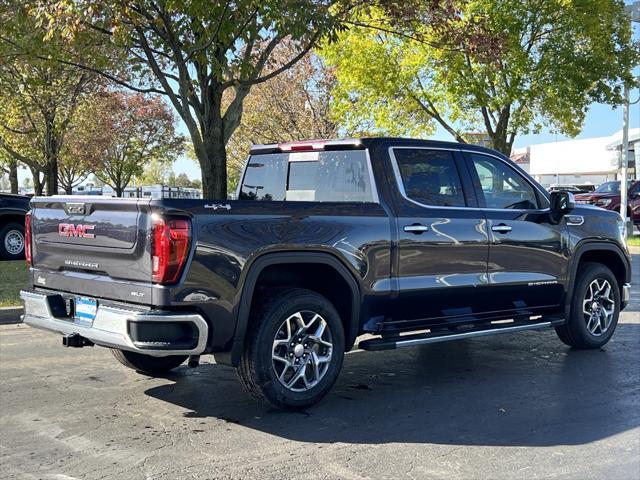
x: 268, y: 259
x: 579, y: 251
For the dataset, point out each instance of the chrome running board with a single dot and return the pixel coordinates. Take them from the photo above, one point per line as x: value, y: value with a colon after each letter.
x: 388, y: 343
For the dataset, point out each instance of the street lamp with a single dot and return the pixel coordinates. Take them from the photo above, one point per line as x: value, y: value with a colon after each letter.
x: 634, y: 12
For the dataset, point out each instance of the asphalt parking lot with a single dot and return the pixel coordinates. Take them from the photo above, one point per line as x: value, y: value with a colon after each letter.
x: 513, y: 406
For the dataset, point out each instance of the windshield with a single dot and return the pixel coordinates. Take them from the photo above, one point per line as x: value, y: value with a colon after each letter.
x: 333, y: 176
x: 609, y: 187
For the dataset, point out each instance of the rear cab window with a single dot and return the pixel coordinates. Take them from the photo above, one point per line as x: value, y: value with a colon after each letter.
x: 325, y: 176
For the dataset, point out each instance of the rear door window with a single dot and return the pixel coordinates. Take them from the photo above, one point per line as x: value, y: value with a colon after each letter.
x: 430, y: 177
x: 334, y: 176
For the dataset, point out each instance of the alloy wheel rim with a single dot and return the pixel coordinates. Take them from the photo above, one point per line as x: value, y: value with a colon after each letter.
x: 14, y: 242
x: 599, y: 306
x: 302, y: 351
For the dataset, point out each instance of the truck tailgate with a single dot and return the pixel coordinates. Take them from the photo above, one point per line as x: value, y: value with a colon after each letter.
x: 81, y: 241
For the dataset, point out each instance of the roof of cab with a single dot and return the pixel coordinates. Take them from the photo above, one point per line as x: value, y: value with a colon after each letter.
x: 361, y: 143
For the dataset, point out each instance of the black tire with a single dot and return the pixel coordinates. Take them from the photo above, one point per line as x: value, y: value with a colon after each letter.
x: 9, y: 249
x: 256, y: 371
x: 148, y: 364
x: 575, y: 331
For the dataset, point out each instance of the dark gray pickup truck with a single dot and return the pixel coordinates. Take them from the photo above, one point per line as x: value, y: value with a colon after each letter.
x: 409, y: 241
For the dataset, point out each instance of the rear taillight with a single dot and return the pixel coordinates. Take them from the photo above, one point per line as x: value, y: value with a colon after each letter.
x: 170, y: 248
x: 27, y: 239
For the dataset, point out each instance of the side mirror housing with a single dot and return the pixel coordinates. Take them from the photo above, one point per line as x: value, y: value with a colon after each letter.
x: 562, y: 203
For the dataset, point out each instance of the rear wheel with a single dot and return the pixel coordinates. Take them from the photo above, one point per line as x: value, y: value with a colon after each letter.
x: 595, y: 308
x: 148, y: 364
x: 12, y: 241
x: 295, y: 350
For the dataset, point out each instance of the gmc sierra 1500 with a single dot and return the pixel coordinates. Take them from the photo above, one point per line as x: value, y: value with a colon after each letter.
x: 410, y: 241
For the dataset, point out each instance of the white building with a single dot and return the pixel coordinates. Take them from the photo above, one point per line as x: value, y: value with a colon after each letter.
x: 590, y: 160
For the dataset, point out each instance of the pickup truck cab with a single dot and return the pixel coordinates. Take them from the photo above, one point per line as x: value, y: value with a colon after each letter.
x: 409, y: 241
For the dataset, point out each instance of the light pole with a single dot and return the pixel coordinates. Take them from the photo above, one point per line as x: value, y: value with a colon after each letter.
x: 634, y: 11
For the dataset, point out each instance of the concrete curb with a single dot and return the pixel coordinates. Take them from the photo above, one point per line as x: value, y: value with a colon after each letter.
x: 634, y: 249
x: 10, y: 315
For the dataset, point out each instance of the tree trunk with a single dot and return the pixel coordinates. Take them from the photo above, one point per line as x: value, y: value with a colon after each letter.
x: 213, y: 163
x: 68, y: 189
x: 51, y: 150
x: 13, y: 176
x: 51, y: 177
x: 501, y: 143
x: 118, y: 190
x: 209, y: 141
x: 37, y: 184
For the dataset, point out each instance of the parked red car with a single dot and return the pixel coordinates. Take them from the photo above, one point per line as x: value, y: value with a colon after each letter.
x: 607, y: 196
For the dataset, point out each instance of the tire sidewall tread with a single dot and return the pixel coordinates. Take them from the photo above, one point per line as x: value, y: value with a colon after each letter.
x: 574, y: 332
x: 256, y: 371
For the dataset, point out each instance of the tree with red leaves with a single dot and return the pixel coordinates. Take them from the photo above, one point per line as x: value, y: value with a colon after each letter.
x: 122, y: 133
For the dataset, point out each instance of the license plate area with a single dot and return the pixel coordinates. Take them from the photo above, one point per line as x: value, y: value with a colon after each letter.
x: 85, y: 310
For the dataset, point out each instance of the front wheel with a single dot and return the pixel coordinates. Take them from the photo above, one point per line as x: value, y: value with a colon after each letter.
x: 295, y: 349
x: 148, y: 364
x: 595, y: 308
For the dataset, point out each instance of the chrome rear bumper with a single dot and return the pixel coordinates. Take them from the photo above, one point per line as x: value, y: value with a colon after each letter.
x: 112, y: 326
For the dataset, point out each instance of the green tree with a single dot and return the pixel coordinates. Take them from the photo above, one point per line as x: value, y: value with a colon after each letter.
x: 38, y: 95
x: 155, y: 172
x: 516, y: 67
x: 197, y: 51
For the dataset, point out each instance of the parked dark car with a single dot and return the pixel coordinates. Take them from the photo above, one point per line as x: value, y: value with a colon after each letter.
x: 13, y: 209
x: 607, y: 196
x: 410, y: 241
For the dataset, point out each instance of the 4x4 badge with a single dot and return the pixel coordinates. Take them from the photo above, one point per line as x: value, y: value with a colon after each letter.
x: 216, y: 206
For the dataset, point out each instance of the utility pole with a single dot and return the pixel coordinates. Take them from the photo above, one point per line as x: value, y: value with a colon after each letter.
x: 634, y: 12
x: 624, y: 157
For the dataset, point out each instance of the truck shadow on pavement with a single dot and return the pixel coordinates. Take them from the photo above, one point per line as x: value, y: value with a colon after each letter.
x: 520, y: 390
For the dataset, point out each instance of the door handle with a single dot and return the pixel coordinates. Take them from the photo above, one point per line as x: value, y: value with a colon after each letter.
x: 502, y: 228
x: 415, y: 228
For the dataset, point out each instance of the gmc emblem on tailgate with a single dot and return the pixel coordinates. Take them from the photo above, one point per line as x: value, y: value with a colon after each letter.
x: 71, y: 230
